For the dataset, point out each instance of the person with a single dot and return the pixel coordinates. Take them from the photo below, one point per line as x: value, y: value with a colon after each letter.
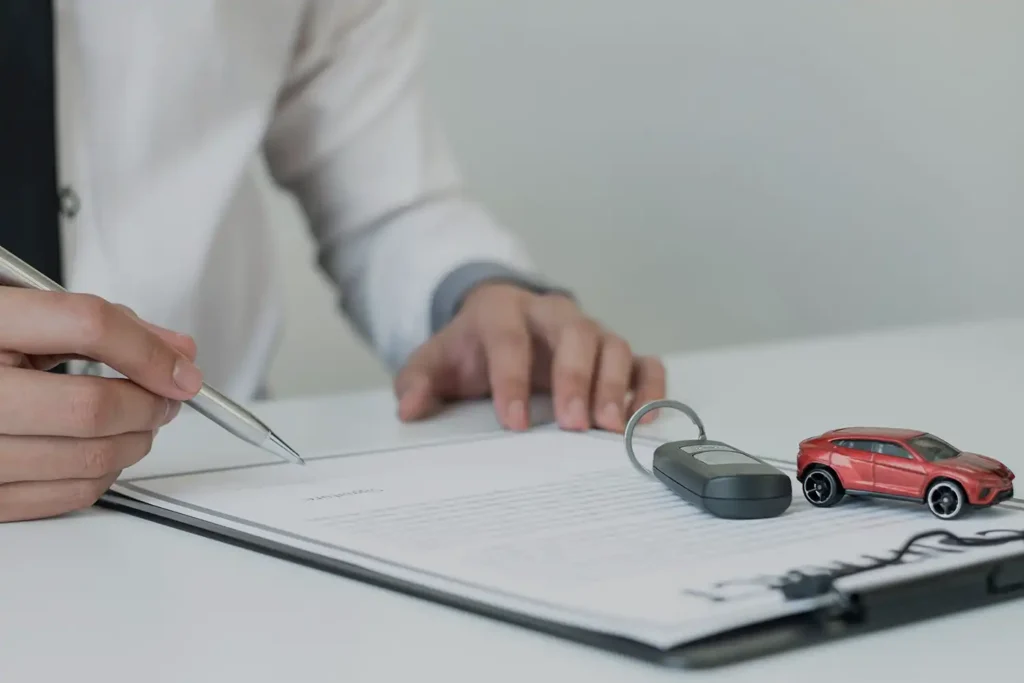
x: 144, y: 119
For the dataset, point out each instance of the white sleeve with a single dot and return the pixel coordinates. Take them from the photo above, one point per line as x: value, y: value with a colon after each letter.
x: 352, y: 139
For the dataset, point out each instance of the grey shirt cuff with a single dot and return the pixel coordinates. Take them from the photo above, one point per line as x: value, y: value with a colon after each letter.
x: 449, y: 295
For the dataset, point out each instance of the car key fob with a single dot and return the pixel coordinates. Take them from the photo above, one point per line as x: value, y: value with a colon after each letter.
x: 712, y: 475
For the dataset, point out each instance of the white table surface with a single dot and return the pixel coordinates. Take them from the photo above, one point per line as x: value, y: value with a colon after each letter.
x: 104, y: 596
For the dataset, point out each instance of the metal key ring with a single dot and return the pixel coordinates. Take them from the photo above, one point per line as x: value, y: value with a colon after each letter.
x: 648, y: 407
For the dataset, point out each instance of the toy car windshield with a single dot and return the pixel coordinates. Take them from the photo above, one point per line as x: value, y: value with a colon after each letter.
x: 932, y: 448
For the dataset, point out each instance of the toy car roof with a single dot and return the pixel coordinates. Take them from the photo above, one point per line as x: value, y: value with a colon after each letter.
x: 873, y: 433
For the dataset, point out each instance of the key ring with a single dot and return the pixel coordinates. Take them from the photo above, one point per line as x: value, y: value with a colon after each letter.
x: 648, y: 407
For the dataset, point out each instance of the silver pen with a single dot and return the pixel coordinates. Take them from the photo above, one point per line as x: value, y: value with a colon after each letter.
x: 208, y: 402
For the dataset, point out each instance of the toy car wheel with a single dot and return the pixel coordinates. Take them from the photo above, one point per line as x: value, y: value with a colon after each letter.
x: 821, y: 489
x: 946, y: 499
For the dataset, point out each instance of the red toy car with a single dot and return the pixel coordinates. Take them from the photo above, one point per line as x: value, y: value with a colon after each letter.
x: 904, y: 464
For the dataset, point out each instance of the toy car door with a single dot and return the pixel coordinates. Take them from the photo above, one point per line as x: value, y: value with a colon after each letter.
x: 851, y: 459
x: 897, y: 472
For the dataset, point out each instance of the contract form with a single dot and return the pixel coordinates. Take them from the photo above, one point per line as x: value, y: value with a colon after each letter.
x: 552, y: 526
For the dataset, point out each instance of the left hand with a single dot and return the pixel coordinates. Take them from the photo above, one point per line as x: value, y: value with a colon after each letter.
x: 507, y: 342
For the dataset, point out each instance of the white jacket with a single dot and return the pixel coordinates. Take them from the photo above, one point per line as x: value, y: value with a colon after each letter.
x: 164, y: 104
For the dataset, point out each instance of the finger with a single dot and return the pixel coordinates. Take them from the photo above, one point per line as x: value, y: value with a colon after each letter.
x: 649, y: 384
x: 415, y: 385
x: 614, y: 374
x: 44, y: 404
x: 50, y: 458
x: 572, y: 372
x: 507, y: 350
x: 24, y: 501
x: 547, y: 315
x: 182, y: 342
x: 57, y: 323
x: 50, y: 362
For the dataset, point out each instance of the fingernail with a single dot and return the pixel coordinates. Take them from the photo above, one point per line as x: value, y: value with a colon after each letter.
x: 611, y: 415
x: 406, y: 409
x: 187, y: 376
x: 577, y: 413
x: 516, y: 414
x: 410, y: 398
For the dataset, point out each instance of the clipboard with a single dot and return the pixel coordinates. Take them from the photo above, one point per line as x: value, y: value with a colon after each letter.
x: 972, y: 585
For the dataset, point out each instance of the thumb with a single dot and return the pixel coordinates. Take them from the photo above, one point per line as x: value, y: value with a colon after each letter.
x: 418, y: 384
x: 182, y: 342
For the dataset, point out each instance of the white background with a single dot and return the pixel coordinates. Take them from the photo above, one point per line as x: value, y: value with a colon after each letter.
x: 724, y: 171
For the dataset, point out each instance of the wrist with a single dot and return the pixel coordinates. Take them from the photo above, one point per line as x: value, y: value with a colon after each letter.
x: 474, y: 279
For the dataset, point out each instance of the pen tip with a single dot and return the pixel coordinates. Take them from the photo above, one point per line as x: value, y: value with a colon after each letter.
x: 280, y: 448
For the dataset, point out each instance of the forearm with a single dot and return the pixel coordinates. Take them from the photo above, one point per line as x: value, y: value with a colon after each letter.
x: 405, y: 280
x: 353, y: 140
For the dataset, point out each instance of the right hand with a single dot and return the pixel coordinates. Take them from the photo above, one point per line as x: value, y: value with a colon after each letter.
x: 64, y: 439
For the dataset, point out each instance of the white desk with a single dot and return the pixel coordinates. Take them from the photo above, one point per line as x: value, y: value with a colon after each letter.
x: 103, y: 596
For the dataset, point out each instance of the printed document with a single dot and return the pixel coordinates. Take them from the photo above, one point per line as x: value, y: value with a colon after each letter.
x: 560, y: 527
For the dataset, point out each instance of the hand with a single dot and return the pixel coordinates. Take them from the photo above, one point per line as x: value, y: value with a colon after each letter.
x: 507, y: 342
x: 64, y: 439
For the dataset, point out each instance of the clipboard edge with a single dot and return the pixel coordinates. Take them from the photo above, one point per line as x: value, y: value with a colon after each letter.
x: 873, y: 609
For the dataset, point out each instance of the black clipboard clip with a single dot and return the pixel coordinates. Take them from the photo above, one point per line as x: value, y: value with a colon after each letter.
x: 900, y: 602
x: 798, y: 585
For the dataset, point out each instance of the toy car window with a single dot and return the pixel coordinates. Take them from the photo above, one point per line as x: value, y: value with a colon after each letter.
x: 889, y: 448
x: 933, y: 448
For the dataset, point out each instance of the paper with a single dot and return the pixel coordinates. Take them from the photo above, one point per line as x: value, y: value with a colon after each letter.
x: 556, y: 525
